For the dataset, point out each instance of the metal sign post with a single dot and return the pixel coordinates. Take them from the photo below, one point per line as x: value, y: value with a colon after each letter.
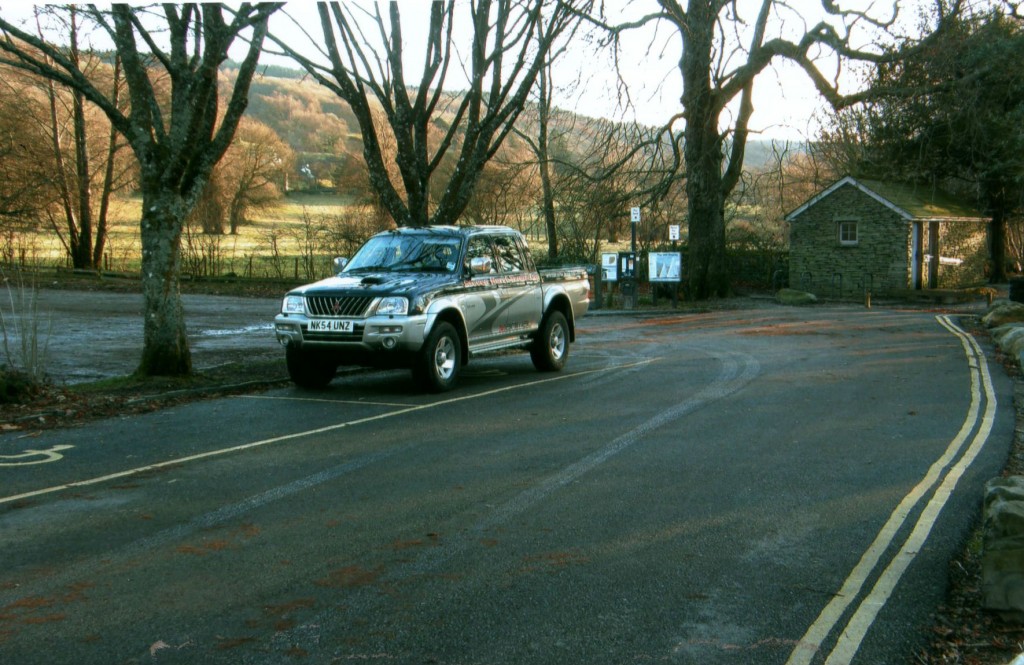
x: 628, y: 263
x: 673, y: 235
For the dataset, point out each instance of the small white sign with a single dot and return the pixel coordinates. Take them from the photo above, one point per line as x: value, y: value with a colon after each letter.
x: 634, y: 214
x: 610, y: 267
x: 673, y: 232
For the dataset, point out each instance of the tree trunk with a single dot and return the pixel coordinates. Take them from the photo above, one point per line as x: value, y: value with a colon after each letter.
x: 165, y: 349
x: 544, y: 110
x: 708, y: 275
x: 81, y: 256
x: 108, y: 175
x: 702, y: 151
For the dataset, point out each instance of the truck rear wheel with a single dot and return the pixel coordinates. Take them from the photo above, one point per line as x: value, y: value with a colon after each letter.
x: 550, y: 349
x: 309, y: 370
x: 437, y: 368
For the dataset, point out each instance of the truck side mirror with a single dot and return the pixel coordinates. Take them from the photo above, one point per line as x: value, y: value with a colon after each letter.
x: 339, y: 264
x: 480, y: 265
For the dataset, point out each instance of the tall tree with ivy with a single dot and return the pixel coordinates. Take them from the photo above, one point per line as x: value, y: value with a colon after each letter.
x: 178, y: 130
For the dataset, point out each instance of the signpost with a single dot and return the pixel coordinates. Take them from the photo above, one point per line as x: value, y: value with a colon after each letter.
x: 627, y: 263
x: 634, y: 218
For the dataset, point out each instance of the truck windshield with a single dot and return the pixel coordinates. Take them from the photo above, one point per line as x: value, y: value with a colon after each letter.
x: 406, y: 253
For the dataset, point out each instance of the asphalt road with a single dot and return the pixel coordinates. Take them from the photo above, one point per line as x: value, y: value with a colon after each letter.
x: 768, y: 486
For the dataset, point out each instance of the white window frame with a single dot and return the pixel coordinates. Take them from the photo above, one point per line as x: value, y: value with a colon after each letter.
x: 842, y: 224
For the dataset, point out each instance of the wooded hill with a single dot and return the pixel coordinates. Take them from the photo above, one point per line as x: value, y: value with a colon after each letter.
x: 322, y: 131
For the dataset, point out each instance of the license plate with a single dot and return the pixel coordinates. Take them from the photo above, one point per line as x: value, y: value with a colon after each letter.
x: 330, y: 325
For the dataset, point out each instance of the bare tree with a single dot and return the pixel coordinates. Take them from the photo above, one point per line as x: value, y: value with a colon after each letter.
x: 89, y: 168
x: 176, y: 143
x: 254, y: 168
x: 609, y: 167
x: 723, y: 52
x: 25, y: 159
x: 540, y: 145
x: 366, y: 66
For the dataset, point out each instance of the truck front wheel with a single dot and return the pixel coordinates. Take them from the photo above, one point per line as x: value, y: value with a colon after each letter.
x: 437, y: 368
x: 309, y: 370
x: 550, y: 349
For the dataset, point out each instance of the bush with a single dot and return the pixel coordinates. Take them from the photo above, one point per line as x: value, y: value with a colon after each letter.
x: 25, y: 341
x: 16, y: 386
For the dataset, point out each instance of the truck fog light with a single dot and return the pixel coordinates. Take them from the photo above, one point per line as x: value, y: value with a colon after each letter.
x: 389, y: 342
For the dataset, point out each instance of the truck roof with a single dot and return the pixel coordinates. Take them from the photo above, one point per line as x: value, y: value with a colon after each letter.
x: 464, y: 231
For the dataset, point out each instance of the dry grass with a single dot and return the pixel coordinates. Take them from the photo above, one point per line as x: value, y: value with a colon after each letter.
x: 123, y: 247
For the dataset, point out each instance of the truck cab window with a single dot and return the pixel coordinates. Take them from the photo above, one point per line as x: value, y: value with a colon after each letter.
x: 509, y: 257
x: 479, y: 247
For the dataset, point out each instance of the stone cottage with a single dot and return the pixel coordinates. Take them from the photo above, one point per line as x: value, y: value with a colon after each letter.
x: 867, y: 235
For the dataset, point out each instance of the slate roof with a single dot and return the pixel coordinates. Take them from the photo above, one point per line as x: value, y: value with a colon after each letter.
x: 916, y: 203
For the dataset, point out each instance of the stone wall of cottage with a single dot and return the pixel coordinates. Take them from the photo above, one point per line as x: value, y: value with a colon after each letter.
x: 968, y: 243
x: 879, y: 262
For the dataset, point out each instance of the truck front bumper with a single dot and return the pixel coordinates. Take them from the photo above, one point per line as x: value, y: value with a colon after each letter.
x: 376, y: 334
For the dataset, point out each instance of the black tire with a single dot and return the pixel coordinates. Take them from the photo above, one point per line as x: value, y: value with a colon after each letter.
x: 308, y: 369
x: 550, y: 349
x: 437, y: 368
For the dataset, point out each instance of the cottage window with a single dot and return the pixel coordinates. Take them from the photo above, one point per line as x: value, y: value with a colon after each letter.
x: 848, y: 233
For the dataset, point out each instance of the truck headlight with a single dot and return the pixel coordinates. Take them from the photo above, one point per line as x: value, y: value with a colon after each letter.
x: 293, y: 305
x: 393, y: 306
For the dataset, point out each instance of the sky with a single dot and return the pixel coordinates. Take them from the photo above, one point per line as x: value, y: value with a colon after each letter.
x: 785, y: 101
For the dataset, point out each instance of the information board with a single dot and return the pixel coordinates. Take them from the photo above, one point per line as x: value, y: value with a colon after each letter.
x: 665, y: 266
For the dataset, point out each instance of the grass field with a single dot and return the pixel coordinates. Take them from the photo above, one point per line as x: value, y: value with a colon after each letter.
x: 293, y: 239
x: 267, y: 245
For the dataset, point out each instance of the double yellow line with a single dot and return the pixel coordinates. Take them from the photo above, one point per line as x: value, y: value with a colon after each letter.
x: 943, y: 479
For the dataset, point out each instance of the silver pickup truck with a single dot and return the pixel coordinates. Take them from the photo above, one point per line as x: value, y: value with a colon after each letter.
x: 429, y: 299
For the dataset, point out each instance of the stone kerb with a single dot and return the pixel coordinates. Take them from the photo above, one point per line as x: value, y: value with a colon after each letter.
x: 1005, y: 321
x: 1002, y: 561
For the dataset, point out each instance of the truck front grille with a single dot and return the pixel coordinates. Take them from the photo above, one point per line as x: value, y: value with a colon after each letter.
x: 350, y: 306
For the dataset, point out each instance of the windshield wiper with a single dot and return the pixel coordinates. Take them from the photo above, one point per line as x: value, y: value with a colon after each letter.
x: 380, y: 268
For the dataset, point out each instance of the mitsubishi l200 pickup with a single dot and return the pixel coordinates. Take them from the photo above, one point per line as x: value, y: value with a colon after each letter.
x: 429, y: 299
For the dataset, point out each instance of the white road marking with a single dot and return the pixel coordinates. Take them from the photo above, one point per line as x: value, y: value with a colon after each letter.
x: 281, y: 398
x: 51, y: 454
x: 299, y: 435
x: 852, y: 636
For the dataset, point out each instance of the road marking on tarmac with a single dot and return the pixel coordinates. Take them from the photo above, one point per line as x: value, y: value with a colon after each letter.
x: 299, y: 435
x: 853, y: 634
x: 51, y: 454
x: 279, y: 398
